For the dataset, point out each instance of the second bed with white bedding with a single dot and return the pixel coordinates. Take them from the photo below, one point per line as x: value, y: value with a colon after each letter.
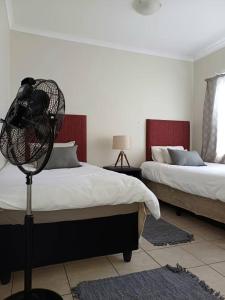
x: 206, y: 181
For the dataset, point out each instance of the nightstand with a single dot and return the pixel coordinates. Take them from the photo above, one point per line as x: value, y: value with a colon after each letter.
x: 131, y: 171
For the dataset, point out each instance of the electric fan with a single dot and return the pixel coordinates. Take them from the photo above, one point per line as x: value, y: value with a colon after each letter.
x: 27, y: 135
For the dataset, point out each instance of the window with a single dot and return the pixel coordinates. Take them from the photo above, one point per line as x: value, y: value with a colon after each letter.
x: 220, y: 114
x: 213, y: 135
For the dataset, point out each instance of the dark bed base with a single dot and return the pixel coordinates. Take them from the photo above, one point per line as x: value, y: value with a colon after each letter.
x: 65, y: 241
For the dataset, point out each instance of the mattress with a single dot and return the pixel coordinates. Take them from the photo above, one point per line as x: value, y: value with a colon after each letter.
x: 12, y: 217
x: 206, y: 181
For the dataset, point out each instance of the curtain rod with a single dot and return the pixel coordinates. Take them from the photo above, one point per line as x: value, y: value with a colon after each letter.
x: 216, y: 76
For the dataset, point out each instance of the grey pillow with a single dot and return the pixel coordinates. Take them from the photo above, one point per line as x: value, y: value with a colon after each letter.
x: 62, y: 157
x: 185, y: 158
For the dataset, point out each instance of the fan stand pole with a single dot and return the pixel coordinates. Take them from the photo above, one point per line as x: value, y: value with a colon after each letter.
x: 29, y: 293
x: 28, y: 222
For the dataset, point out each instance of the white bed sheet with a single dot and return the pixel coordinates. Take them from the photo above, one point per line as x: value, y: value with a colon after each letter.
x: 207, y: 181
x: 87, y: 186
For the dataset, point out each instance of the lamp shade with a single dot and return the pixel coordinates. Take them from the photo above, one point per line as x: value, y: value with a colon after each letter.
x: 121, y: 142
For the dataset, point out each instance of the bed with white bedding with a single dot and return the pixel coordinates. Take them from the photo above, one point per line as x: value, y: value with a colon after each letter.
x: 78, y: 212
x: 86, y: 192
x: 76, y: 188
x: 205, y: 181
x: 200, y: 190
x: 96, y: 211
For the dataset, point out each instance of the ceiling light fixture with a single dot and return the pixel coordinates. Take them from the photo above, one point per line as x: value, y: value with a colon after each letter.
x: 146, y: 7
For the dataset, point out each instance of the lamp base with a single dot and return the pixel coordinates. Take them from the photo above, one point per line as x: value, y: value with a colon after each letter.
x: 120, y: 158
x: 36, y: 294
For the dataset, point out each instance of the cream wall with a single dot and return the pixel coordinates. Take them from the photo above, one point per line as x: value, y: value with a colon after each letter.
x: 4, y: 60
x: 204, y: 68
x: 117, y: 90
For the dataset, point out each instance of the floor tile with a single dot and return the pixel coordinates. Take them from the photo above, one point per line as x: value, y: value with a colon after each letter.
x: 185, y: 221
x: 219, y: 267
x: 194, y: 224
x: 68, y: 297
x: 5, y: 290
x: 89, y: 269
x: 209, y: 232
x: 197, y: 237
x: 50, y: 277
x: 140, y: 261
x: 207, y: 252
x: 170, y: 213
x: 147, y: 246
x: 215, y: 280
x: 220, y: 243
x: 138, y: 250
x: 219, y: 286
x: 207, y: 274
x: 174, y: 255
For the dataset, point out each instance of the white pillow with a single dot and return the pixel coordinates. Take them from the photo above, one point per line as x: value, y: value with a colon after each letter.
x: 161, y: 154
x: 157, y: 154
x: 166, y: 155
x: 2, y: 161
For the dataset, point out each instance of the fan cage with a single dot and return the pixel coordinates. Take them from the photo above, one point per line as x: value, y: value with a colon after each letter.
x: 27, y: 145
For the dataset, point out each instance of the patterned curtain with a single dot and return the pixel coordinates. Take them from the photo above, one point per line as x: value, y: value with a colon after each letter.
x: 213, y: 131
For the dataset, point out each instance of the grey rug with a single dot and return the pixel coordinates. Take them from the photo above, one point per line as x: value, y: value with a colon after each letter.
x: 167, y: 283
x: 160, y: 233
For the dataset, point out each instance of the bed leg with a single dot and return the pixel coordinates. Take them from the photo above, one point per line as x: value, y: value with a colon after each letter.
x: 178, y: 212
x: 5, y: 277
x: 127, y: 256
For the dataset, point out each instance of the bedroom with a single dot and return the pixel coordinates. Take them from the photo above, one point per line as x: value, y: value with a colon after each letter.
x: 119, y: 68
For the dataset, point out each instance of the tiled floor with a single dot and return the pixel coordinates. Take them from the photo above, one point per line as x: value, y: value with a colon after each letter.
x: 205, y: 257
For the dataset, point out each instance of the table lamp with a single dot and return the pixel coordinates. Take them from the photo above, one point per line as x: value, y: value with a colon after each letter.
x: 121, y: 142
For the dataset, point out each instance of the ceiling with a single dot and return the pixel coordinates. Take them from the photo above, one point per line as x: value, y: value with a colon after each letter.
x: 183, y: 29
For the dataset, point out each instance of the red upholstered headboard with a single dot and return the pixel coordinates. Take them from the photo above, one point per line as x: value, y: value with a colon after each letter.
x: 166, y: 133
x: 75, y: 129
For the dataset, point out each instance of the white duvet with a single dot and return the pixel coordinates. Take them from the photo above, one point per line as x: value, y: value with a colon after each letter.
x: 83, y: 187
x: 207, y: 181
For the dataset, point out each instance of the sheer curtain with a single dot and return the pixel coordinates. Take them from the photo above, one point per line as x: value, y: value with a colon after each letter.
x: 213, y: 133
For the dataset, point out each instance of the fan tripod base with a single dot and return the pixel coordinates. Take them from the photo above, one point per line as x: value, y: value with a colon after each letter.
x: 36, y: 294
